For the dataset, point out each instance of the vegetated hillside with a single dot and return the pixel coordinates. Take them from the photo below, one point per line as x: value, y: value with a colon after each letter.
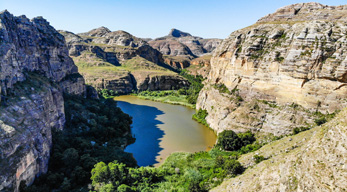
x: 120, y: 62
x: 36, y: 73
x: 314, y: 160
x: 279, y: 73
x: 180, y: 49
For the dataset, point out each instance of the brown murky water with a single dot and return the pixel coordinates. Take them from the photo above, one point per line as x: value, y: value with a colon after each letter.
x: 161, y: 129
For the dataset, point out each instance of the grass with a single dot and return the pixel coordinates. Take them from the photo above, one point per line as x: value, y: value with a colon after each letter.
x: 171, y: 97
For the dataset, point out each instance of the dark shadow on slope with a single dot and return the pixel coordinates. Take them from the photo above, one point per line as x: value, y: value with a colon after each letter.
x: 145, y: 130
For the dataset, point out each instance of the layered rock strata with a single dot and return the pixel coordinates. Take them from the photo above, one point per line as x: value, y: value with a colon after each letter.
x: 181, y: 46
x: 35, y: 71
x: 120, y: 62
x: 295, y: 56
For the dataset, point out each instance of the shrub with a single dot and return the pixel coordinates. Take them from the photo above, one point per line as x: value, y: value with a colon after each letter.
x: 228, y: 140
x: 320, y: 121
x: 297, y: 130
x: 233, y: 167
x: 258, y: 158
x: 200, y: 117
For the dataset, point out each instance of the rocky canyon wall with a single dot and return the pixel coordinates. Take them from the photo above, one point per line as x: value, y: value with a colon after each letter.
x: 35, y: 71
x: 279, y: 70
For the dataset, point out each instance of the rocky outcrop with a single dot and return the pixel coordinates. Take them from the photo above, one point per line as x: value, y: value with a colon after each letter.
x: 177, y: 33
x: 35, y: 72
x: 313, y: 160
x: 294, y: 56
x: 181, y: 44
x: 159, y: 82
x: 121, y: 62
x: 178, y: 43
x: 113, y: 47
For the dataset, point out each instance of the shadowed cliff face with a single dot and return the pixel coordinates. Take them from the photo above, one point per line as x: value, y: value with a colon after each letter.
x: 35, y: 72
x: 296, y: 55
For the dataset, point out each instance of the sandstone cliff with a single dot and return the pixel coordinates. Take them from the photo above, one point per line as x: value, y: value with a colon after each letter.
x: 35, y: 71
x: 120, y: 62
x: 271, y: 76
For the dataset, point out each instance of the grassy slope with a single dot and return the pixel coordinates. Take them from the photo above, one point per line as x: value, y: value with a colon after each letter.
x: 313, y: 160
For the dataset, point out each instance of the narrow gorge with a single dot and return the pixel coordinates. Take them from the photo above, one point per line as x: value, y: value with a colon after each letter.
x: 261, y: 110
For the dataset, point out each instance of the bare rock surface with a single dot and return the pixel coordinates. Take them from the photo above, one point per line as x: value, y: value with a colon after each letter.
x: 35, y: 71
x: 296, y: 56
x: 120, y: 62
x: 179, y: 44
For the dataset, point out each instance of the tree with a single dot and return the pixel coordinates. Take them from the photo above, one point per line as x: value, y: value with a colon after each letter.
x: 229, y: 140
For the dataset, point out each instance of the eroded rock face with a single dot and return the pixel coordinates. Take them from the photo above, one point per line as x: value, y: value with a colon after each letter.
x: 284, y: 58
x: 181, y: 43
x: 184, y: 45
x: 113, y: 47
x: 100, y: 52
x: 35, y: 72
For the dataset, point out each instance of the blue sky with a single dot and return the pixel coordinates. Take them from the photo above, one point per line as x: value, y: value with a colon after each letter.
x: 152, y: 18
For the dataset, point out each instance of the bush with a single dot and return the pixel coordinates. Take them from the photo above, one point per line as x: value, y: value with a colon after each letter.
x: 229, y: 140
x: 320, y: 121
x: 200, y: 117
x: 297, y: 130
x: 258, y: 158
x: 233, y: 167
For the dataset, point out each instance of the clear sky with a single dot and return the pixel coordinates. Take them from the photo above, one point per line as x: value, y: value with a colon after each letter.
x: 152, y: 18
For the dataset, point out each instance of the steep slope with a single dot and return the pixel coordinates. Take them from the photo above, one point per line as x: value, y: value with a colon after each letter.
x: 179, y: 48
x: 314, y: 160
x: 120, y: 62
x: 35, y: 72
x: 271, y: 76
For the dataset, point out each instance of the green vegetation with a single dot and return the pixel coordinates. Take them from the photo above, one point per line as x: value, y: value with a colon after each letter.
x: 323, y: 118
x: 200, y: 117
x: 278, y: 57
x: 258, y: 158
x: 221, y: 88
x: 173, y: 97
x: 297, y: 130
x: 107, y: 93
x: 195, y: 87
x: 94, y: 131
x: 184, y: 96
x: 229, y: 140
x: 181, y: 172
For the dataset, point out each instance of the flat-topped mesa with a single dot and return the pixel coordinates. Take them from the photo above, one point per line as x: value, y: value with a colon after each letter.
x: 177, y: 33
x: 306, y: 12
x: 35, y: 71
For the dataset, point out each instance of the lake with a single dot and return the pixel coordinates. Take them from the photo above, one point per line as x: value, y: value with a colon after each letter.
x: 161, y: 129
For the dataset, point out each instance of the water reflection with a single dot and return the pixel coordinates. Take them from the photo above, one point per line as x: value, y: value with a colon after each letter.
x: 146, y: 131
x: 161, y: 129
